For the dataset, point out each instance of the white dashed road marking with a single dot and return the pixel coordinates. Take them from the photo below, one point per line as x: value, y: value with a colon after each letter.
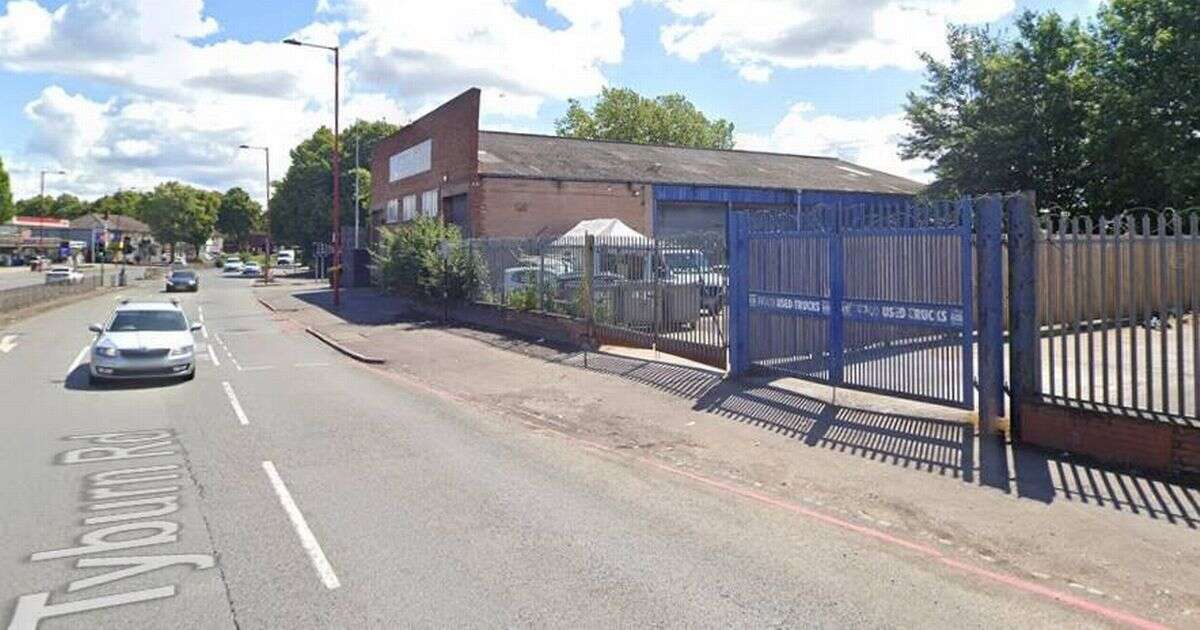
x: 8, y: 343
x: 78, y: 359
x: 307, y: 539
x: 213, y: 355
x: 237, y: 406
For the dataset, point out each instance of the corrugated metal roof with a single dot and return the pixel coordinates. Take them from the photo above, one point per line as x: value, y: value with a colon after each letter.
x: 506, y: 154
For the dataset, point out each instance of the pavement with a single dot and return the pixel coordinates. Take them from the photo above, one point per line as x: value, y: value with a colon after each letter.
x: 476, y: 480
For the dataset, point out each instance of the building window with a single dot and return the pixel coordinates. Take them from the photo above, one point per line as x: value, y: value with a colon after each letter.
x: 429, y: 203
x: 393, y: 211
x: 410, y: 207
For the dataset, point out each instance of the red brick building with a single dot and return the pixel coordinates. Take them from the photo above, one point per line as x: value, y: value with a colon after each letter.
x: 508, y: 184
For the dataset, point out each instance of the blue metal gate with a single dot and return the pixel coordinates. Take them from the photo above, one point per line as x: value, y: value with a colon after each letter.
x: 873, y: 297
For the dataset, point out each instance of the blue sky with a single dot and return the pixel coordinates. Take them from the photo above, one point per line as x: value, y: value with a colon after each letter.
x: 129, y: 93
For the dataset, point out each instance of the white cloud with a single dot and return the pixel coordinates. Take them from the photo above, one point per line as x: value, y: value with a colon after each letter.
x: 757, y: 35
x: 429, y: 50
x: 185, y: 102
x: 870, y: 142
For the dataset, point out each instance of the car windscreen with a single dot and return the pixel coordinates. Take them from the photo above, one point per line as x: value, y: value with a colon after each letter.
x: 684, y: 261
x: 151, y: 321
x: 183, y: 275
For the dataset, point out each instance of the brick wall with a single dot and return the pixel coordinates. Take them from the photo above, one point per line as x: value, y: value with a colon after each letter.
x: 547, y: 327
x: 454, y: 163
x: 1167, y: 447
x: 526, y: 207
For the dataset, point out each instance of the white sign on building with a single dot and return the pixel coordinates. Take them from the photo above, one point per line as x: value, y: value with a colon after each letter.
x: 409, y: 162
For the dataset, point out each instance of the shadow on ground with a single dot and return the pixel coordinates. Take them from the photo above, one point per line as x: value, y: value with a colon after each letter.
x: 925, y: 444
x: 930, y: 445
x: 361, y: 307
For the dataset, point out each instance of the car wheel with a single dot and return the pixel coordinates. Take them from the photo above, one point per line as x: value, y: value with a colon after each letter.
x: 96, y: 381
x: 191, y: 375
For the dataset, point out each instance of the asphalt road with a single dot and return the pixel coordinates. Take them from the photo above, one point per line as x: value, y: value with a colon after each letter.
x: 288, y: 487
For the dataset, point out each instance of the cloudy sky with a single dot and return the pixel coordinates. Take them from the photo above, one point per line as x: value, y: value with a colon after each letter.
x: 129, y: 93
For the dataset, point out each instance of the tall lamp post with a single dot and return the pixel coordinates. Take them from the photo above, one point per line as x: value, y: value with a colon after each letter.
x: 337, y: 169
x: 42, y: 193
x: 266, y: 208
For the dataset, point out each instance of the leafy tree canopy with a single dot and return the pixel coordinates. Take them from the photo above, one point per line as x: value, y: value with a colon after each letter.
x: 238, y: 215
x: 624, y: 115
x: 178, y: 213
x: 64, y: 206
x: 1094, y: 119
x: 6, y: 199
x: 302, y: 202
x: 123, y: 202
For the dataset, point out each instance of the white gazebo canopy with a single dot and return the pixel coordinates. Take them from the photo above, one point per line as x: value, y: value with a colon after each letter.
x: 600, y: 228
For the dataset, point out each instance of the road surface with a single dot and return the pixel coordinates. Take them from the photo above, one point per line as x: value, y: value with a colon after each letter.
x: 289, y: 487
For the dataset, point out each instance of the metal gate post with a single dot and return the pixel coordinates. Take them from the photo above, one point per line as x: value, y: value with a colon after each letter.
x: 737, y: 247
x: 1025, y: 364
x: 837, y: 292
x: 966, y: 216
x: 587, y: 297
x: 991, y: 313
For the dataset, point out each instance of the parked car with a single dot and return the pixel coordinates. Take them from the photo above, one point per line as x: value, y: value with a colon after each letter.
x: 62, y: 274
x: 144, y: 340
x: 183, y: 280
x: 233, y: 265
x: 251, y: 270
x: 690, y: 267
x: 517, y: 279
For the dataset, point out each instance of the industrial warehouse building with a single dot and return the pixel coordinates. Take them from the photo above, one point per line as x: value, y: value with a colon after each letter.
x: 501, y: 184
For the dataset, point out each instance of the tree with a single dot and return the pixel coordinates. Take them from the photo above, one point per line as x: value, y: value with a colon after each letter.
x: 64, y: 206
x: 34, y: 206
x: 1095, y: 120
x: 178, y: 213
x: 1005, y: 115
x: 624, y: 115
x: 68, y: 206
x: 6, y: 199
x: 122, y: 202
x: 1145, y: 121
x: 237, y: 215
x: 303, y: 200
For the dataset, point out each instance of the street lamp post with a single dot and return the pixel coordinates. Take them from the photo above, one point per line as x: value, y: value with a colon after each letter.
x: 42, y: 192
x: 267, y: 208
x: 337, y: 169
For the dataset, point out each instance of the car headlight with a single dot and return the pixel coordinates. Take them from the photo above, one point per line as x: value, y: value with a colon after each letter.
x: 181, y: 351
x: 106, y: 351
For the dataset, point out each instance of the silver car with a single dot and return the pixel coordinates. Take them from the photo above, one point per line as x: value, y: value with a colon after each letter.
x: 144, y: 340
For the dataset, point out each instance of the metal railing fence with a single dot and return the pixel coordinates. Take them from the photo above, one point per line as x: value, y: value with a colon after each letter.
x: 1118, y: 311
x: 668, y: 294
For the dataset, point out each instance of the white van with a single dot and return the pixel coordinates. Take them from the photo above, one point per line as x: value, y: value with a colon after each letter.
x: 285, y: 258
